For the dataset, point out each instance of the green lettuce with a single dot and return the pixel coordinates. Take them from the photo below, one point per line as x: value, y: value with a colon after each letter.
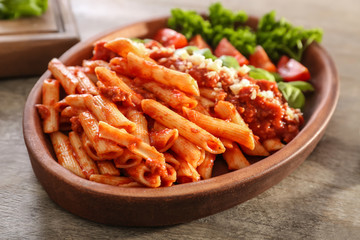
x: 279, y: 37
x: 12, y: 9
x: 222, y: 23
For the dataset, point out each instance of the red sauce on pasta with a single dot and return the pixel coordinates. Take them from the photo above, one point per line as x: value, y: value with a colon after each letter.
x: 268, y: 117
x: 259, y: 102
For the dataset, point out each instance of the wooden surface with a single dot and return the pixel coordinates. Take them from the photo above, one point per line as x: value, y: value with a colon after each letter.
x: 42, y: 24
x: 320, y: 200
x: 28, y: 44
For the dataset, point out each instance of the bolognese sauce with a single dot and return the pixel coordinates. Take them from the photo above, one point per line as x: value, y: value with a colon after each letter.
x: 259, y: 102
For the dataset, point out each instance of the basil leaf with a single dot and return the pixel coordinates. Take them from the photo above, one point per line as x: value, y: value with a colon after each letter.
x: 303, y: 86
x: 293, y: 95
x: 188, y: 49
x: 206, y: 53
x: 277, y: 77
x: 259, y: 73
x: 191, y: 49
x: 229, y: 61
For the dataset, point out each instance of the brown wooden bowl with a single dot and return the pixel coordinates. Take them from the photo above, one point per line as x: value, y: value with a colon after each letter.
x: 185, y: 202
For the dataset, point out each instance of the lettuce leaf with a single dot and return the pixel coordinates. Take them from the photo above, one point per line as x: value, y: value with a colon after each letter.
x: 12, y: 9
x: 222, y: 23
x: 279, y: 37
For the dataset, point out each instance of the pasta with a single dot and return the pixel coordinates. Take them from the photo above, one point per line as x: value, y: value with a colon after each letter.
x: 138, y: 115
x: 50, y: 93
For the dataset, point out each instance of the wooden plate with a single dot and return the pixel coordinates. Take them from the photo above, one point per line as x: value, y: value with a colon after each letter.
x: 184, y: 202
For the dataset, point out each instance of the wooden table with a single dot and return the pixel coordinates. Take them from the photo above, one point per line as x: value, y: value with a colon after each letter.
x: 320, y: 200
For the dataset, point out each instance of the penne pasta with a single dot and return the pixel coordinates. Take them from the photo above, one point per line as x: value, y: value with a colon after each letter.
x: 89, y: 68
x: 227, y: 143
x: 172, y: 97
x: 47, y: 110
x: 234, y: 158
x: 187, y: 129
x: 68, y: 81
x: 95, y: 108
x: 185, y: 149
x: 221, y: 128
x: 90, y: 65
x: 148, y: 70
x: 273, y: 144
x: 127, y: 159
x: 206, y: 103
x: 77, y: 100
x: 141, y: 128
x: 134, y: 144
x: 123, y: 46
x: 143, y: 175
x: 87, y: 165
x: 114, y: 180
x: 107, y: 168
x: 187, y: 173
x: 227, y: 110
x: 120, y: 66
x: 65, y: 154
x: 89, y: 148
x: 110, y: 79
x: 201, y: 109
x: 170, y: 178
x: 259, y: 149
x: 188, y: 151
x: 105, y: 149
x: 211, y: 94
x: 134, y: 115
x: 169, y: 159
x: 163, y: 139
x: 70, y: 111
x: 112, y: 114
x: 206, y: 167
x: 85, y: 84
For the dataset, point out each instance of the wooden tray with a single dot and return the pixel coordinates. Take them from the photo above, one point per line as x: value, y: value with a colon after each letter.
x: 28, y: 44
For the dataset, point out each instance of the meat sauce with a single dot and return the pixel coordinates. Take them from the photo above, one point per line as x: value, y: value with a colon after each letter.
x: 268, y: 117
x: 201, y: 75
x: 259, y: 102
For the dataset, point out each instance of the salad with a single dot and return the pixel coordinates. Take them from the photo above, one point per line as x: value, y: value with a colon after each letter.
x: 273, y: 51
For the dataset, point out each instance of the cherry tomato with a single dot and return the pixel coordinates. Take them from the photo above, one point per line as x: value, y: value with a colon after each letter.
x: 226, y: 48
x: 199, y: 42
x: 291, y: 70
x: 168, y: 37
x: 260, y: 59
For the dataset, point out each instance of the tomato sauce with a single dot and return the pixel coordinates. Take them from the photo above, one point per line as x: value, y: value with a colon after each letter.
x: 268, y: 117
x: 260, y: 103
x: 201, y: 75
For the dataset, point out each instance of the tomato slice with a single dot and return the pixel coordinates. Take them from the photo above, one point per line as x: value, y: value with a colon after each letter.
x: 226, y: 48
x: 291, y: 70
x: 260, y: 59
x: 199, y: 42
x: 168, y: 37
